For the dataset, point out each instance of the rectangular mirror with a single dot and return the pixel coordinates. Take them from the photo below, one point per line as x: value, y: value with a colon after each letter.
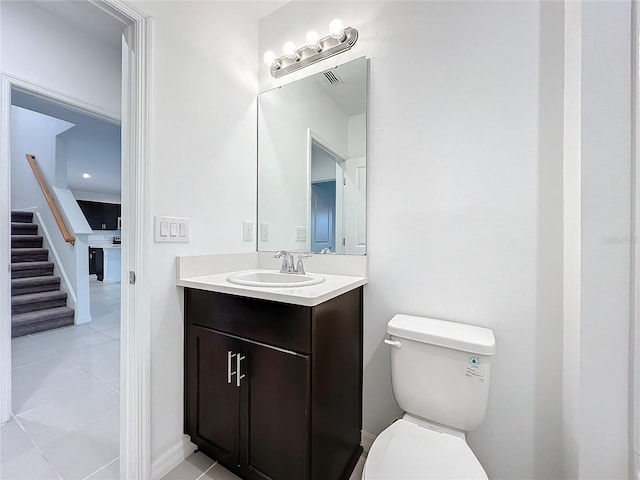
x: 312, y: 163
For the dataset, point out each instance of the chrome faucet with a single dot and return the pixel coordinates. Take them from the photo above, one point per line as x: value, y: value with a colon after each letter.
x: 287, y: 262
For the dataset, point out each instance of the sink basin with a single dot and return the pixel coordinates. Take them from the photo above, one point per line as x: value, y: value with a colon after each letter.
x: 272, y: 278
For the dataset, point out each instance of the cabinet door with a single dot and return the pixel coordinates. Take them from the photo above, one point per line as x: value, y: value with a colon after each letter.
x: 275, y: 429
x: 112, y: 212
x: 212, y: 402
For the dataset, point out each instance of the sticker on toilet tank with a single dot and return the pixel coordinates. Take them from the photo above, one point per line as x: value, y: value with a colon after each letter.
x: 474, y: 371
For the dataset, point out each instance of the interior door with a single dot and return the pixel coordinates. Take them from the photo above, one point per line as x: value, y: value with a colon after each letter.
x: 277, y: 399
x: 323, y: 216
x: 214, y: 400
x: 355, y: 207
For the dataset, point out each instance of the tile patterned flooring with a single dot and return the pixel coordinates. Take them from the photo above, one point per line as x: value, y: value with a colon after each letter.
x: 66, y: 404
x: 201, y: 467
x: 66, y: 401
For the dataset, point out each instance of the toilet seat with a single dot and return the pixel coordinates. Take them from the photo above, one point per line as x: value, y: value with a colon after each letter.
x: 408, y: 451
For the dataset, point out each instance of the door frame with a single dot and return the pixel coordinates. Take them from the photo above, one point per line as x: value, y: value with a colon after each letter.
x: 340, y: 158
x: 135, y: 436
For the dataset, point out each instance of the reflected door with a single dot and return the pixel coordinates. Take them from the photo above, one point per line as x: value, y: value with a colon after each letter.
x: 323, y: 216
x: 355, y: 211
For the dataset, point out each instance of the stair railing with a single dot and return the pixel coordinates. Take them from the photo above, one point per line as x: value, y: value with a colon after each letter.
x: 68, y: 237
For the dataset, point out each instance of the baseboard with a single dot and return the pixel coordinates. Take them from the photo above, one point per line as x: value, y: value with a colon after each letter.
x: 82, y: 320
x: 366, y: 439
x: 172, y: 458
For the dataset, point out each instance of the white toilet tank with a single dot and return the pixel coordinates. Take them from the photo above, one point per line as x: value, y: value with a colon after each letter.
x: 440, y: 370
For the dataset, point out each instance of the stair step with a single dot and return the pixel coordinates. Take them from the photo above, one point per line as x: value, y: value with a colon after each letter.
x: 32, y: 302
x: 19, y: 255
x: 21, y: 217
x: 31, y: 269
x: 22, y: 286
x: 20, y: 228
x: 32, y: 322
x: 26, y: 241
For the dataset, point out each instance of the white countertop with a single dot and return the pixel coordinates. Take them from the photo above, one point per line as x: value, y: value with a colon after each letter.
x: 106, y: 245
x: 309, y: 296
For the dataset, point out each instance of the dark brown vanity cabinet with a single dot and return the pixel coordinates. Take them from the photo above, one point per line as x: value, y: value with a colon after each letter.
x: 274, y: 390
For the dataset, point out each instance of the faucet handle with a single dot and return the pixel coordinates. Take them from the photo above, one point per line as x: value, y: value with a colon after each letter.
x: 300, y: 265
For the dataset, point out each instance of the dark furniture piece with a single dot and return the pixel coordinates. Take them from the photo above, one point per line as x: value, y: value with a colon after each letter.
x: 101, y: 216
x: 96, y: 262
x: 274, y: 390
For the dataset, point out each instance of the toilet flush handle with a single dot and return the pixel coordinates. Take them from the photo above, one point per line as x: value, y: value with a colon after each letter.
x: 393, y: 343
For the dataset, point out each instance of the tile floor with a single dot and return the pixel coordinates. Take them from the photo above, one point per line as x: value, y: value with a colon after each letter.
x: 65, y: 398
x: 201, y: 467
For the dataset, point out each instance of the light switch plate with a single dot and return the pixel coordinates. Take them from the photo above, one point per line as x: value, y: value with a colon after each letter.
x: 301, y: 234
x: 264, y: 232
x: 247, y: 231
x: 171, y: 229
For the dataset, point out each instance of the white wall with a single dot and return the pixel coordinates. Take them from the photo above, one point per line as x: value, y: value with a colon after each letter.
x: 464, y: 101
x: 44, y: 49
x: 597, y: 239
x: 203, y: 165
x: 323, y: 165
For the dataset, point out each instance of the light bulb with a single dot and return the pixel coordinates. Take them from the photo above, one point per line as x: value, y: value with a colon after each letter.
x: 336, y: 29
x: 289, y: 50
x: 269, y: 58
x: 313, y: 40
x: 86, y: 175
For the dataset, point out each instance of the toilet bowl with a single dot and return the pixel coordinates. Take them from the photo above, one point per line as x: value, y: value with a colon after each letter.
x: 407, y: 450
x: 440, y: 371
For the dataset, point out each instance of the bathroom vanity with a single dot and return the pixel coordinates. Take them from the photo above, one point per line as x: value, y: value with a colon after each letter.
x: 273, y: 385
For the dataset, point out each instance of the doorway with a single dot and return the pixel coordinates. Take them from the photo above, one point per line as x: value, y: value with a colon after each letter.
x: 323, y: 216
x: 134, y: 381
x: 326, y: 197
x: 65, y: 376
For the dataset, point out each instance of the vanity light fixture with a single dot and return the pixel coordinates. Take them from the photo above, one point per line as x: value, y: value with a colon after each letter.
x: 340, y: 39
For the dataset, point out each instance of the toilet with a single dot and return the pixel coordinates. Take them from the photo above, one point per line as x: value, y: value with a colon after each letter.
x: 440, y: 373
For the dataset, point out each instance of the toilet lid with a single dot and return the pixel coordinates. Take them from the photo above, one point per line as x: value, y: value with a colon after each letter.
x: 406, y: 451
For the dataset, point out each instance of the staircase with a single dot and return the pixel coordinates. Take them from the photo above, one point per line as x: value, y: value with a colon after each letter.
x: 37, y: 303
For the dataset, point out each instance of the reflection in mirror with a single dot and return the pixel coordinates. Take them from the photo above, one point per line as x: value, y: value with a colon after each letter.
x: 312, y: 163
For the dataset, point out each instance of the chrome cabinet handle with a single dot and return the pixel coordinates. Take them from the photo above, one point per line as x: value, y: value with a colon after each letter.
x: 393, y: 343
x: 229, y: 372
x: 239, y: 377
